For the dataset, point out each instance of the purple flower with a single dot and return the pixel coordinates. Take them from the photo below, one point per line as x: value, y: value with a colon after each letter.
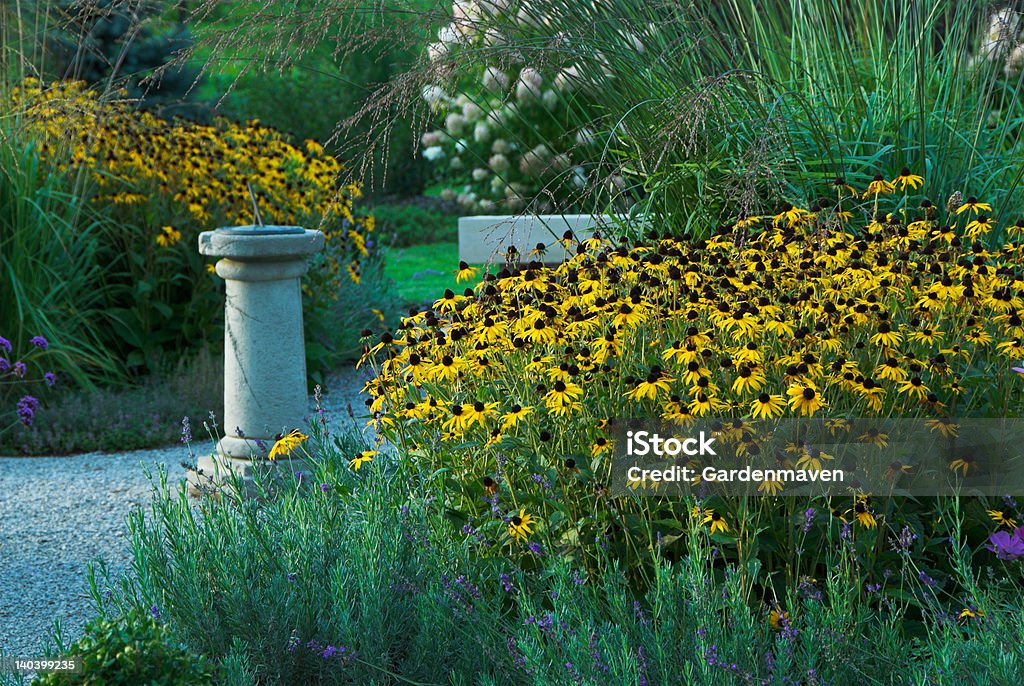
x: 19, y: 369
x: 925, y: 579
x: 535, y: 548
x: 1007, y: 546
x: 506, y: 582
x: 50, y: 378
x: 325, y: 487
x: 808, y: 520
x: 155, y: 612
x: 291, y: 576
x: 4, y: 365
x: 40, y: 342
x: 1019, y: 370
x: 27, y: 407
x: 186, y: 430
x: 5, y: 344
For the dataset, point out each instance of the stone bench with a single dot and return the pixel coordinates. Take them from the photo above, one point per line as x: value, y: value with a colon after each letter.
x: 484, y: 239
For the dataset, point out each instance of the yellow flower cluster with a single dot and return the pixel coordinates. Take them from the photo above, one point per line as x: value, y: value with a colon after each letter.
x: 198, y: 177
x: 520, y: 376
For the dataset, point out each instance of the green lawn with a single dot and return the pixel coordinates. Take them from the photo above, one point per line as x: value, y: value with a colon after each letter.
x: 422, y: 272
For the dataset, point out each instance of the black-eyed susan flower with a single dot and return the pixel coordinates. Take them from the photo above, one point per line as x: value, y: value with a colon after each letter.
x: 905, y: 178
x: 812, y: 459
x: 805, y: 399
x: 1002, y: 518
x: 973, y: 205
x: 715, y: 521
x: 600, y: 446
x: 965, y: 465
x: 863, y: 513
x: 168, y: 236
x: 519, y: 526
x: 362, y: 458
x: 766, y: 406
x: 878, y: 186
x: 979, y: 226
x: 284, y: 445
x: 875, y: 436
x: 515, y: 415
x: 465, y: 272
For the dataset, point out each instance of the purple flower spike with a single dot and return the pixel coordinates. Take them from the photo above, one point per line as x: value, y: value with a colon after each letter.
x: 19, y: 369
x: 1019, y: 370
x: 4, y: 365
x: 40, y: 342
x: 5, y: 344
x: 1007, y: 546
x: 50, y: 378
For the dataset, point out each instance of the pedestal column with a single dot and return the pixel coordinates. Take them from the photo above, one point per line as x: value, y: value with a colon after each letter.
x: 264, y: 348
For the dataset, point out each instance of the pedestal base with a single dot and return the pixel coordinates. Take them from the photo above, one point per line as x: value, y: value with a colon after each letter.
x: 216, y: 473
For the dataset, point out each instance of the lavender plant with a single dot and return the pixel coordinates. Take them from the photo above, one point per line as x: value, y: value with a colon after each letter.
x: 352, y: 576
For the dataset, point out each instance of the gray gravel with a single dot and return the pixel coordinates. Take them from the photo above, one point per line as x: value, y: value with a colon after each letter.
x: 58, y: 514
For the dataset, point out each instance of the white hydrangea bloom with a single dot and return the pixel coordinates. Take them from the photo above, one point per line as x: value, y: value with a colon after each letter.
x: 1003, y: 27
x: 437, y: 51
x: 448, y: 195
x: 495, y: 80
x: 501, y: 146
x: 1015, y: 62
x: 487, y: 206
x: 455, y: 163
x: 434, y: 95
x: 434, y: 153
x: 585, y: 136
x: 481, y: 132
x: 479, y: 174
x: 431, y: 139
x: 549, y: 99
x: 529, y: 85
x: 471, y: 111
x: 579, y: 177
x: 499, y: 163
x: 455, y: 123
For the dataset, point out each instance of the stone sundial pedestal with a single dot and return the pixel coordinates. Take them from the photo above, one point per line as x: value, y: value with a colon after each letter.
x: 264, y: 348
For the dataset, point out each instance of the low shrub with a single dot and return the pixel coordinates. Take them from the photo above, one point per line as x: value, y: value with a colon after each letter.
x: 130, y: 650
x: 147, y: 415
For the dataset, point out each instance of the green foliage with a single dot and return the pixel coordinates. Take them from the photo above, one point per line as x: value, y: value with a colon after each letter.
x: 362, y: 577
x: 130, y: 650
x: 401, y: 225
x: 313, y: 87
x: 145, y: 415
x: 335, y: 318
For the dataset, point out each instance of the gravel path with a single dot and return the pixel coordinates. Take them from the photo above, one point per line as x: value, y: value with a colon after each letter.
x: 58, y: 514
